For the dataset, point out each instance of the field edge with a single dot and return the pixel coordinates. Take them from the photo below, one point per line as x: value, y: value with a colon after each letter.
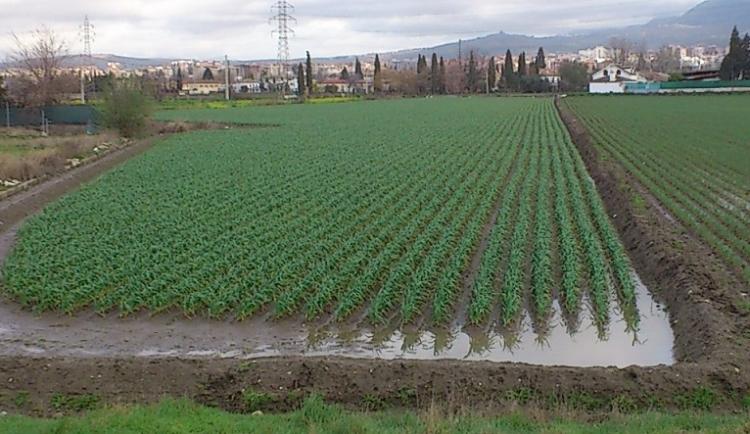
x: 678, y: 270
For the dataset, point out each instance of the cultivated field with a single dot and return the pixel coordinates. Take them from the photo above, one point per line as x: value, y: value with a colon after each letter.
x: 692, y: 154
x: 355, y: 240
x: 452, y: 210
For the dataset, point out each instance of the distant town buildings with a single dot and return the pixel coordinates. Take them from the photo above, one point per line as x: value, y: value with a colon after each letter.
x: 207, y: 77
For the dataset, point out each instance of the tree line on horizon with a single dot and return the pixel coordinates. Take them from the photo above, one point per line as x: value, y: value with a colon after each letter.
x: 438, y: 76
x: 44, y: 84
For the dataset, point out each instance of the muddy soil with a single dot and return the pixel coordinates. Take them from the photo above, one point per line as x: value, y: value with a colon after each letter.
x: 356, y: 383
x: 712, y: 346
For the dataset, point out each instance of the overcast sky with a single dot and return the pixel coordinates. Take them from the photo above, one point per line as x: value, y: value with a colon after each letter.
x: 240, y: 28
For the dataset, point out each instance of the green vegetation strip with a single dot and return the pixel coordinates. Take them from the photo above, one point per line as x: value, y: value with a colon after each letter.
x: 315, y: 416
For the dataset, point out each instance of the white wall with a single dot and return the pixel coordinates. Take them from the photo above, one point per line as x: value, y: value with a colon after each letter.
x: 618, y: 87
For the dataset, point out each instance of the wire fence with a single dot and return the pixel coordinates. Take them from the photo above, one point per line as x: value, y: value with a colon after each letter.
x: 42, y: 117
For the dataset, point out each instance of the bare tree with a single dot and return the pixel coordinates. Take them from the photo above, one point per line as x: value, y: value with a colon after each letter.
x: 39, y: 62
x: 622, y: 49
x: 401, y: 81
x: 455, y: 78
x: 666, y: 61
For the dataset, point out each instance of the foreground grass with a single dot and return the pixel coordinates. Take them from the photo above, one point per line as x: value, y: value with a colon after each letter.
x: 181, y: 416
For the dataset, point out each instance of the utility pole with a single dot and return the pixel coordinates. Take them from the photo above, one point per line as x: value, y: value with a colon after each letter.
x: 282, y: 16
x: 226, y: 77
x: 87, y: 37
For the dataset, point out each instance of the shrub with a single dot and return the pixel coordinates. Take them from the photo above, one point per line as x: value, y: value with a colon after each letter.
x: 315, y: 411
x: 126, y: 108
x: 74, y: 403
x: 372, y: 402
x: 256, y: 400
x: 701, y: 398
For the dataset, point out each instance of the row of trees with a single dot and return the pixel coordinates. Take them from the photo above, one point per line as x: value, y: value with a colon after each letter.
x: 305, y: 84
x: 435, y: 75
x: 431, y: 79
x: 736, y: 65
x: 438, y: 76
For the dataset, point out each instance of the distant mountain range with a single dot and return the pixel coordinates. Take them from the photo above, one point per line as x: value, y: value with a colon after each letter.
x: 130, y: 63
x: 710, y: 22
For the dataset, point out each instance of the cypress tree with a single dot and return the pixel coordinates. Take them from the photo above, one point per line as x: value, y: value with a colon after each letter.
x: 308, y: 74
x: 733, y: 63
x: 2, y: 90
x: 540, y: 62
x: 522, y: 67
x: 472, y: 79
x: 208, y: 75
x: 377, y: 83
x: 344, y: 74
x: 746, y: 46
x: 179, y: 78
x: 491, y: 73
x: 301, y: 79
x: 434, y: 75
x: 358, y: 69
x: 508, y: 71
x: 422, y: 74
x: 422, y: 65
x: 442, y: 76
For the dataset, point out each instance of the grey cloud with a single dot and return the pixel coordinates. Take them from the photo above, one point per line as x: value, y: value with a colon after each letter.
x: 197, y: 28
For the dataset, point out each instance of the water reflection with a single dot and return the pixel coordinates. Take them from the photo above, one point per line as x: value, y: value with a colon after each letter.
x: 573, y: 340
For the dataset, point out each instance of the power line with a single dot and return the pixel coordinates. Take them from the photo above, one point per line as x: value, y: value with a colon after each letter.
x: 282, y: 16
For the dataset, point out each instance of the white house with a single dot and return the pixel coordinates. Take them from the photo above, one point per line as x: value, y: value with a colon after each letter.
x: 612, y: 79
x: 247, y: 87
x: 202, y: 87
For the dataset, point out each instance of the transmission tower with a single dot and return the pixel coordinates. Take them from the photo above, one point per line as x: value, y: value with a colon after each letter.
x: 87, y: 37
x: 281, y: 11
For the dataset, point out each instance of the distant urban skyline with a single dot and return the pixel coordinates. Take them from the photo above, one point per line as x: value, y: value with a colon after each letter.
x: 198, y: 29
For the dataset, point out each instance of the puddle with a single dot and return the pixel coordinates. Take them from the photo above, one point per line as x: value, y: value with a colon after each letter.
x: 651, y: 345
x: 172, y: 335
